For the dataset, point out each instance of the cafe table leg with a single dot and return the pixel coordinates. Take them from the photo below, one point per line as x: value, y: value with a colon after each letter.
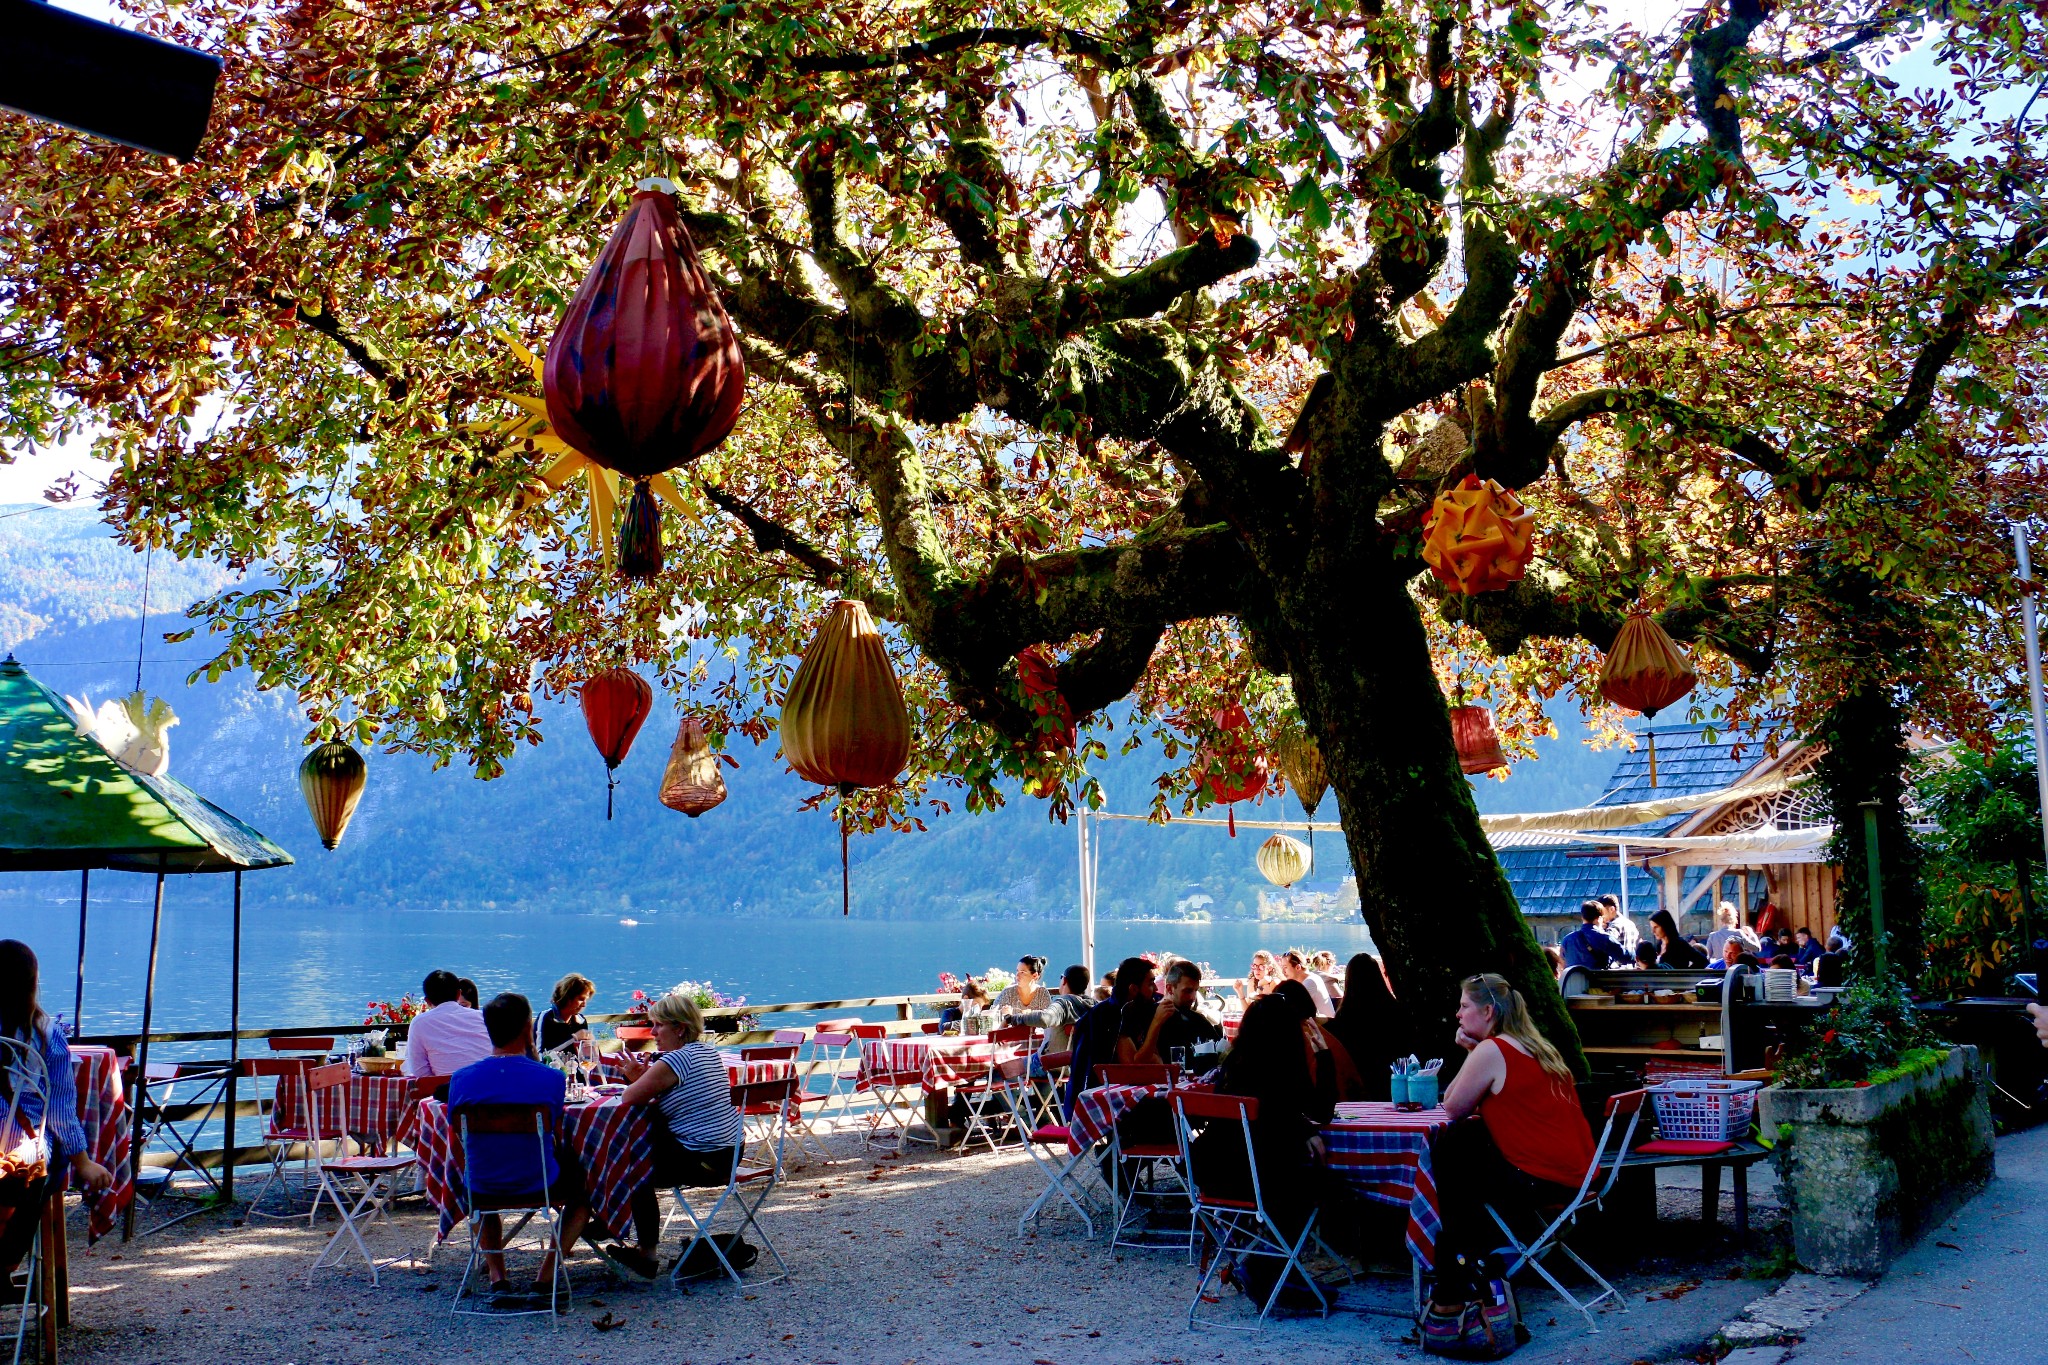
x: 46, y: 1290
x: 1710, y: 1193
x: 1740, y: 1171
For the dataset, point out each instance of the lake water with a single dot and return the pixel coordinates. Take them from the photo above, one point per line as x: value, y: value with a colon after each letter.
x: 305, y: 967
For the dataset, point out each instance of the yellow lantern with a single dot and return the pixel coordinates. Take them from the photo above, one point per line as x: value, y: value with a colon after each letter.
x: 1284, y: 861
x: 692, y: 783
x: 332, y: 779
x: 1478, y: 536
x: 1301, y: 763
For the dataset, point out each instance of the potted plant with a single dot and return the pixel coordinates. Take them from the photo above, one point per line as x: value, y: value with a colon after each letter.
x: 1879, y: 1130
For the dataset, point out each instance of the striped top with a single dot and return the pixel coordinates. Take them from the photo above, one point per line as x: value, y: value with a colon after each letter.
x: 698, y: 1108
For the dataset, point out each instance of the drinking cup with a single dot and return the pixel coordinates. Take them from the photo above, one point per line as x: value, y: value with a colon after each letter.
x: 1397, y: 1085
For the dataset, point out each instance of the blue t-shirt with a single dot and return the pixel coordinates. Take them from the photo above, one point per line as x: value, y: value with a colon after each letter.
x: 506, y: 1163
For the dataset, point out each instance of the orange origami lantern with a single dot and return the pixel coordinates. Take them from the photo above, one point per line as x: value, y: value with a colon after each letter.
x: 1237, y: 770
x: 615, y: 703
x: 1040, y: 677
x: 1477, y: 739
x: 1645, y: 671
x: 645, y: 373
x: 844, y: 724
x: 1477, y: 536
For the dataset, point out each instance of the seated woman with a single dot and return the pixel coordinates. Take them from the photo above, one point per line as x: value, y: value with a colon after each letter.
x: 1269, y: 1063
x: 1673, y: 952
x: 29, y: 1173
x: 1027, y: 992
x: 1519, y: 1138
x: 1371, y: 1029
x: 695, y: 1124
x: 1259, y: 978
x: 1329, y: 1063
x: 563, y: 1021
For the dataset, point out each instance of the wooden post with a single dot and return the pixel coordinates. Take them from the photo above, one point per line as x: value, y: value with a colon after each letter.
x: 140, y: 1098
x: 227, y: 1174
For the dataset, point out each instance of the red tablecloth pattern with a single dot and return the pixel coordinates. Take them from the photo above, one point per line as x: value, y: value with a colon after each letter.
x: 103, y: 1112
x: 379, y: 1109
x: 938, y: 1063
x: 613, y: 1141
x: 1384, y: 1154
x: 1096, y: 1111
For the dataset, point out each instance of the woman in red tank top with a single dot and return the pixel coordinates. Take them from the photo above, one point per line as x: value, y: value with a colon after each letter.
x: 1519, y: 1137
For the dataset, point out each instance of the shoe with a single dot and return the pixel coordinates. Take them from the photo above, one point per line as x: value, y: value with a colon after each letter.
x: 540, y: 1295
x: 630, y: 1262
x: 505, y: 1294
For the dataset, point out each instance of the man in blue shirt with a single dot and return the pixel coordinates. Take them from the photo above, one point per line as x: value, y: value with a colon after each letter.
x: 508, y: 1166
x: 1586, y: 946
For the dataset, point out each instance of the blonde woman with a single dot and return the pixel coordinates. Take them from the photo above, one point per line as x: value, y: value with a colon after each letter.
x: 689, y: 1093
x: 563, y: 1020
x: 1518, y: 1138
x: 1261, y: 978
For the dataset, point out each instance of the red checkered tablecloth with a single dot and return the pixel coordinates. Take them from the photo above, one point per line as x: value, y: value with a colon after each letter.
x: 614, y: 1142
x: 103, y: 1112
x: 939, y: 1063
x: 1096, y: 1111
x: 1384, y: 1154
x: 379, y: 1109
x: 739, y: 1071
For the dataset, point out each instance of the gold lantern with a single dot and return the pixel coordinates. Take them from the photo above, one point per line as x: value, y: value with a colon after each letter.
x: 1284, y: 861
x: 1301, y: 763
x: 692, y: 782
x: 332, y: 779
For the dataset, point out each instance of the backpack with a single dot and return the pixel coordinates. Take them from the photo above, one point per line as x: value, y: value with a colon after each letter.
x: 701, y: 1263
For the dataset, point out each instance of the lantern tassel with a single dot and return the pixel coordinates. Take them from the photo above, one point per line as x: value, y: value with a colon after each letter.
x: 611, y: 784
x: 1653, y: 756
x: 1231, y: 811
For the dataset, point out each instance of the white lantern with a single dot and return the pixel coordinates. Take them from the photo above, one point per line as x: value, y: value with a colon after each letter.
x: 1284, y: 861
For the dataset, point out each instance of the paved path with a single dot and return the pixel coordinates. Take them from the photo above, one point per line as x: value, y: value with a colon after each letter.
x: 1974, y: 1289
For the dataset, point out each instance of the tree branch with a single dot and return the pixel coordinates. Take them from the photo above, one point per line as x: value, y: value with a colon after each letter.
x: 772, y: 537
x: 1145, y: 292
x: 367, y: 358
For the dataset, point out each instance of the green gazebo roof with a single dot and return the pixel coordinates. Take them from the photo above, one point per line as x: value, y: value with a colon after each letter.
x: 66, y: 804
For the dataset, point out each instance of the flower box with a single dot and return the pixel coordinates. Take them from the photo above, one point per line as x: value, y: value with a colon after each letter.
x: 630, y: 1034
x: 1867, y: 1169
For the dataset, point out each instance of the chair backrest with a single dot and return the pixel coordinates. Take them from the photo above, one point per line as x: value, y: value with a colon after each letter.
x: 510, y: 1120
x: 427, y: 1087
x: 302, y: 1043
x: 790, y: 1035
x: 275, y: 1066
x: 1055, y: 1061
x: 1134, y: 1073
x: 1016, y: 1033
x: 326, y: 1077
x: 771, y: 1098
x: 826, y: 1038
x: 326, y: 1106
x: 930, y: 1026
x: 1209, y: 1106
x: 839, y: 1025
x: 1625, y: 1109
x: 860, y: 1030
x: 768, y: 1052
x: 28, y: 1076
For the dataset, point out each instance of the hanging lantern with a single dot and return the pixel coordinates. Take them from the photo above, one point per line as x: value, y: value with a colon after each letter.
x: 1040, y: 677
x: 615, y: 703
x: 644, y: 374
x: 692, y: 782
x: 1478, y: 741
x: 1646, y: 671
x: 1477, y: 536
x: 1237, y: 770
x: 1284, y: 861
x: 844, y: 724
x: 1301, y: 763
x: 332, y: 779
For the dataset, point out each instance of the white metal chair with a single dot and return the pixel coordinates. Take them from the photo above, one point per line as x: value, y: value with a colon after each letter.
x: 1238, y: 1226
x: 767, y: 1061
x: 898, y: 1092
x: 1604, y: 1169
x: 746, y: 1187
x: 989, y: 1115
x: 807, y: 1106
x: 302, y: 1141
x: 361, y: 1187
x: 835, y: 1047
x: 512, y: 1120
x: 28, y: 1086
x: 1142, y: 1164
x: 1050, y: 1148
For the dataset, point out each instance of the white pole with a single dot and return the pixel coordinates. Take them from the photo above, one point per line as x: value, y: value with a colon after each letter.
x: 1621, y: 861
x: 1087, y: 898
x: 2031, y: 626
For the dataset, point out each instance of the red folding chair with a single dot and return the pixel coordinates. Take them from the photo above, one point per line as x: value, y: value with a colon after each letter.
x: 1136, y: 1167
x: 898, y: 1092
x: 988, y: 1111
x: 360, y: 1186
x: 807, y: 1106
x: 304, y: 1044
x: 282, y: 1139
x: 1238, y: 1226
x: 765, y: 1062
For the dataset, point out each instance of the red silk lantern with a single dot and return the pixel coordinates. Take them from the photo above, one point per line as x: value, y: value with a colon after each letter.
x: 843, y: 723
x: 1646, y: 671
x: 615, y: 703
x: 1040, y: 677
x: 1478, y: 536
x: 1237, y: 770
x: 1478, y: 741
x: 645, y: 372
x: 332, y: 778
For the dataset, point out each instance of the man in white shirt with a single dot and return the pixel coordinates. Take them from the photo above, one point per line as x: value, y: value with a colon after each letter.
x: 1618, y: 926
x: 1295, y: 969
x: 448, y: 1036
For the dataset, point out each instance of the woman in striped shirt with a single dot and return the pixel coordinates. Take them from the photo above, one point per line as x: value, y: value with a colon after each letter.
x: 695, y: 1124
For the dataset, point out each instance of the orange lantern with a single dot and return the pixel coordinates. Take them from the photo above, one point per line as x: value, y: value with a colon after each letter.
x: 645, y: 373
x: 1646, y: 671
x: 332, y: 778
x: 692, y: 783
x: 844, y: 724
x: 1237, y: 770
x: 1477, y: 536
x: 1040, y: 677
x: 615, y: 703
x: 1478, y: 741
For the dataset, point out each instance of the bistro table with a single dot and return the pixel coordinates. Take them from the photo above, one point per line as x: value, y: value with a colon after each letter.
x: 378, y: 1110
x: 614, y: 1142
x: 936, y: 1065
x: 103, y: 1112
x: 1383, y: 1153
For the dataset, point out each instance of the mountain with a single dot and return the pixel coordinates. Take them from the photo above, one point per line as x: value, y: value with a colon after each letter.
x: 535, y: 840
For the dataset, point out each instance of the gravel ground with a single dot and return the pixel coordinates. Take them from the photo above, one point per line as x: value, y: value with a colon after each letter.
x: 893, y: 1262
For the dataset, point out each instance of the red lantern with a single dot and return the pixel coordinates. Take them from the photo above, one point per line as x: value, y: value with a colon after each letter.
x: 615, y: 702
x: 1237, y: 770
x: 1040, y: 677
x: 645, y: 373
x: 1646, y: 671
x: 1478, y: 741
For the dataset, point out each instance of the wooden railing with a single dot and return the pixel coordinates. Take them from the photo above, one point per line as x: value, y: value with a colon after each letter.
x: 231, y: 1108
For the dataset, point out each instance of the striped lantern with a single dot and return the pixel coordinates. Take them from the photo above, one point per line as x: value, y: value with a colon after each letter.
x: 615, y: 704
x: 332, y: 778
x: 1284, y: 861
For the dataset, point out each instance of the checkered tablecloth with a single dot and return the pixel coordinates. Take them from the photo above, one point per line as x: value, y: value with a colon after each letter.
x: 1384, y: 1154
x: 379, y: 1110
x: 103, y: 1112
x: 1096, y: 1111
x: 939, y: 1063
x: 614, y: 1142
x: 740, y: 1071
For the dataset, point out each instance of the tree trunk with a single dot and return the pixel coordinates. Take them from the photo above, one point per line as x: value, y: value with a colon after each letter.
x: 1430, y: 888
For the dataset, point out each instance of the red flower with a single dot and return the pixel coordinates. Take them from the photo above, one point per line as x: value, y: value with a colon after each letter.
x: 1828, y: 1037
x: 1862, y: 1085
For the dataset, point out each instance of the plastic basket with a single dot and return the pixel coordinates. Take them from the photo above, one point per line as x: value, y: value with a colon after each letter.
x: 1710, y: 1109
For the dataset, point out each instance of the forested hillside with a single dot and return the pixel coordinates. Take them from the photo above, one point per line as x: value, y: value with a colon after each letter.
x: 536, y: 839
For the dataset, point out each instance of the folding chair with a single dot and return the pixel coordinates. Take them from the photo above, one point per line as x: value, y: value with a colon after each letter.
x: 29, y: 1080
x: 1049, y: 1074
x: 206, y: 1089
x: 1049, y: 1144
x: 808, y: 1138
x: 1237, y: 1226
x: 987, y: 1105
x: 512, y: 1120
x: 763, y: 1058
x: 1140, y: 1163
x: 361, y: 1187
x: 746, y: 1187
x: 894, y: 1091
x: 282, y: 1138
x: 1627, y: 1109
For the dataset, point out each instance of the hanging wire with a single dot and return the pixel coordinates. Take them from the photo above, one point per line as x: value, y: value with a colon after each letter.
x: 142, y: 626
